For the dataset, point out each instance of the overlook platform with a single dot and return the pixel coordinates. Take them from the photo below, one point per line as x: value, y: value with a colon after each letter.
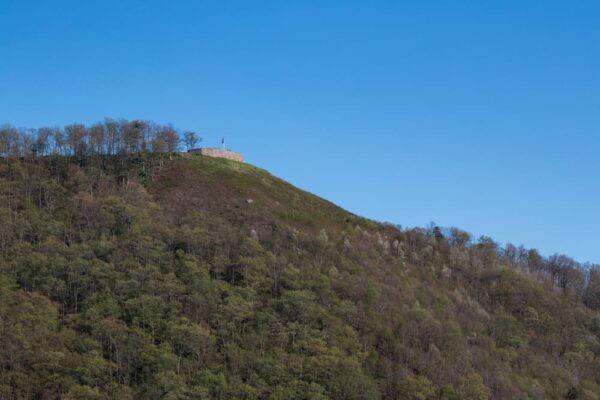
x: 218, y: 153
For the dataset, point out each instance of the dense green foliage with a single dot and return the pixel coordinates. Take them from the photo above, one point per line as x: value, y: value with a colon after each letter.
x: 134, y: 276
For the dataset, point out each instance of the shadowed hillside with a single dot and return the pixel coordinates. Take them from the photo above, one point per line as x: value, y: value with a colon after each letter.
x: 184, y: 277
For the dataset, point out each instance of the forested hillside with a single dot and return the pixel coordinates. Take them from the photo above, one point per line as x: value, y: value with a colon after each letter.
x: 143, y: 273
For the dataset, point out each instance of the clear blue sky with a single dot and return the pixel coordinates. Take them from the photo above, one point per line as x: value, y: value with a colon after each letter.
x: 479, y: 114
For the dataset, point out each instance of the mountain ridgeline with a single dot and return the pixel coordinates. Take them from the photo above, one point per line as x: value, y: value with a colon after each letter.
x: 144, y: 273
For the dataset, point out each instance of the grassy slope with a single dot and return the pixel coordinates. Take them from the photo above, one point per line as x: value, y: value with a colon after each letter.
x: 223, y: 187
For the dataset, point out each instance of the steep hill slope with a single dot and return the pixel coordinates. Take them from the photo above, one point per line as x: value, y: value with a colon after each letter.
x: 142, y: 277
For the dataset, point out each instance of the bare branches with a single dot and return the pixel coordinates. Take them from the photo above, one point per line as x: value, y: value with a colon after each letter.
x: 109, y: 137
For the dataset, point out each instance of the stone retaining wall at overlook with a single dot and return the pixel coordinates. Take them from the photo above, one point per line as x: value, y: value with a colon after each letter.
x: 218, y: 153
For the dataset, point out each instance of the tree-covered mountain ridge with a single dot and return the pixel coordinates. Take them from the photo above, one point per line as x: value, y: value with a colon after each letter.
x: 161, y: 275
